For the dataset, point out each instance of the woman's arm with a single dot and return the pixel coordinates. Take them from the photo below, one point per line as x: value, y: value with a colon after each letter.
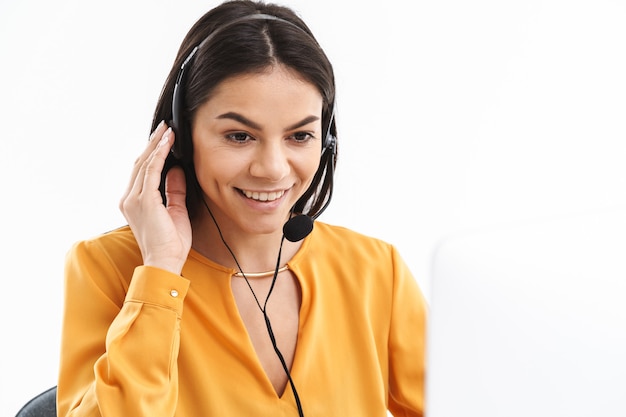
x: 407, y: 344
x: 121, y: 327
x: 119, y: 345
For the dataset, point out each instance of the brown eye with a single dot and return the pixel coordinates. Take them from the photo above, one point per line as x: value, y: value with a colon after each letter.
x: 302, y: 136
x: 239, y: 137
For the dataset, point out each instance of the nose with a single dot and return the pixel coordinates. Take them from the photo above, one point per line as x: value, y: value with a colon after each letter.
x: 271, y: 161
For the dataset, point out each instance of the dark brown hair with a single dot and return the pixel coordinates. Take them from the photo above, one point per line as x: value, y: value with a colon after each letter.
x: 247, y: 46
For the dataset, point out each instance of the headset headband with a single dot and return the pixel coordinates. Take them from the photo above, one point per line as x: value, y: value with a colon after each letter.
x: 329, y: 140
x: 258, y: 16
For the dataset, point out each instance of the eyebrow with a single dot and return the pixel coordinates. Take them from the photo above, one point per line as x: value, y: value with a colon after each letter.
x: 244, y: 120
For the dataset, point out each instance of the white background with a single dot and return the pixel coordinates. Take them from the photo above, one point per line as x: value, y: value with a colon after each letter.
x: 452, y: 116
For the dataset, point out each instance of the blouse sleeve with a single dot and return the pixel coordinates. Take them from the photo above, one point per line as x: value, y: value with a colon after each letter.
x: 120, y: 340
x: 407, y: 344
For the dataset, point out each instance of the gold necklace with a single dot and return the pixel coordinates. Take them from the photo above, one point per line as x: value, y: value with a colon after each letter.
x: 260, y: 274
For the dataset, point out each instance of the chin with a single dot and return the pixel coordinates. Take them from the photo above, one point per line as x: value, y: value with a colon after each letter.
x: 263, y: 226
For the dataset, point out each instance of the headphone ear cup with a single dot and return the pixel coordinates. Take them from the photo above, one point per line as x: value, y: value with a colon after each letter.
x: 177, y: 102
x: 330, y: 143
x: 177, y: 106
x: 177, y: 151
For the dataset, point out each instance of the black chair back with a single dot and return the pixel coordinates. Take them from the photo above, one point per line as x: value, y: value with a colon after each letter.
x: 43, y: 405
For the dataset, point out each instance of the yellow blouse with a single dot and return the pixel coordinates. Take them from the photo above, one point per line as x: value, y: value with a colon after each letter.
x: 140, y: 341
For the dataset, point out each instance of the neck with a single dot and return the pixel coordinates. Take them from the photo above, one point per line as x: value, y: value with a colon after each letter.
x: 254, y: 252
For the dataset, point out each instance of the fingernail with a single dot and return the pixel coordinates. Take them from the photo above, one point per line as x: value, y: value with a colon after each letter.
x: 166, y: 137
x: 156, y: 129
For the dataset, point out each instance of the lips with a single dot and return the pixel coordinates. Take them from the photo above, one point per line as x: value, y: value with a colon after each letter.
x: 263, y: 196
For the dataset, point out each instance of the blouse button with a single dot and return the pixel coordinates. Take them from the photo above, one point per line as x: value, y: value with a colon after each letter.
x: 174, y: 293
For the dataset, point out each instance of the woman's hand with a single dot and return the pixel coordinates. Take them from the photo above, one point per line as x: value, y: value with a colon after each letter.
x: 162, y: 232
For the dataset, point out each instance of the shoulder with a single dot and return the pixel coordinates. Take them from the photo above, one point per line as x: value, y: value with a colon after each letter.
x: 341, y: 241
x: 116, y: 249
x: 362, y: 266
x: 120, y: 240
x: 342, y: 235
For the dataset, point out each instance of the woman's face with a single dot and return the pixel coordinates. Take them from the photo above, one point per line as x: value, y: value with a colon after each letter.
x: 257, y: 143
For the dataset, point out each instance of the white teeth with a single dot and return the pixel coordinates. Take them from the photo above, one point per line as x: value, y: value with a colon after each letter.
x: 262, y: 196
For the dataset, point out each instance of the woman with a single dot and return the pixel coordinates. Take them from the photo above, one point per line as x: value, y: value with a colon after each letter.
x: 218, y: 299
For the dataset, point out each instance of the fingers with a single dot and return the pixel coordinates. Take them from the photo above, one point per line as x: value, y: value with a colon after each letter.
x: 146, y: 173
x: 151, y: 169
x: 158, y: 133
x: 175, y: 187
x: 175, y: 194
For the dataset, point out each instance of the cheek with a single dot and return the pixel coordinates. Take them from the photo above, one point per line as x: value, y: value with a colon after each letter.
x: 201, y: 164
x: 211, y: 167
x: 309, y: 165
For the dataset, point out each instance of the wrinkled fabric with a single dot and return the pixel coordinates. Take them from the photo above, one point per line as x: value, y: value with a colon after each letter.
x: 140, y: 341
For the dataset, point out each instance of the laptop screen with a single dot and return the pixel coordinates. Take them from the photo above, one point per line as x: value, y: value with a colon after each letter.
x: 530, y: 320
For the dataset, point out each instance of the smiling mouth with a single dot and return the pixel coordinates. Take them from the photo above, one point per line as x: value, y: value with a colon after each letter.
x: 263, y: 196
